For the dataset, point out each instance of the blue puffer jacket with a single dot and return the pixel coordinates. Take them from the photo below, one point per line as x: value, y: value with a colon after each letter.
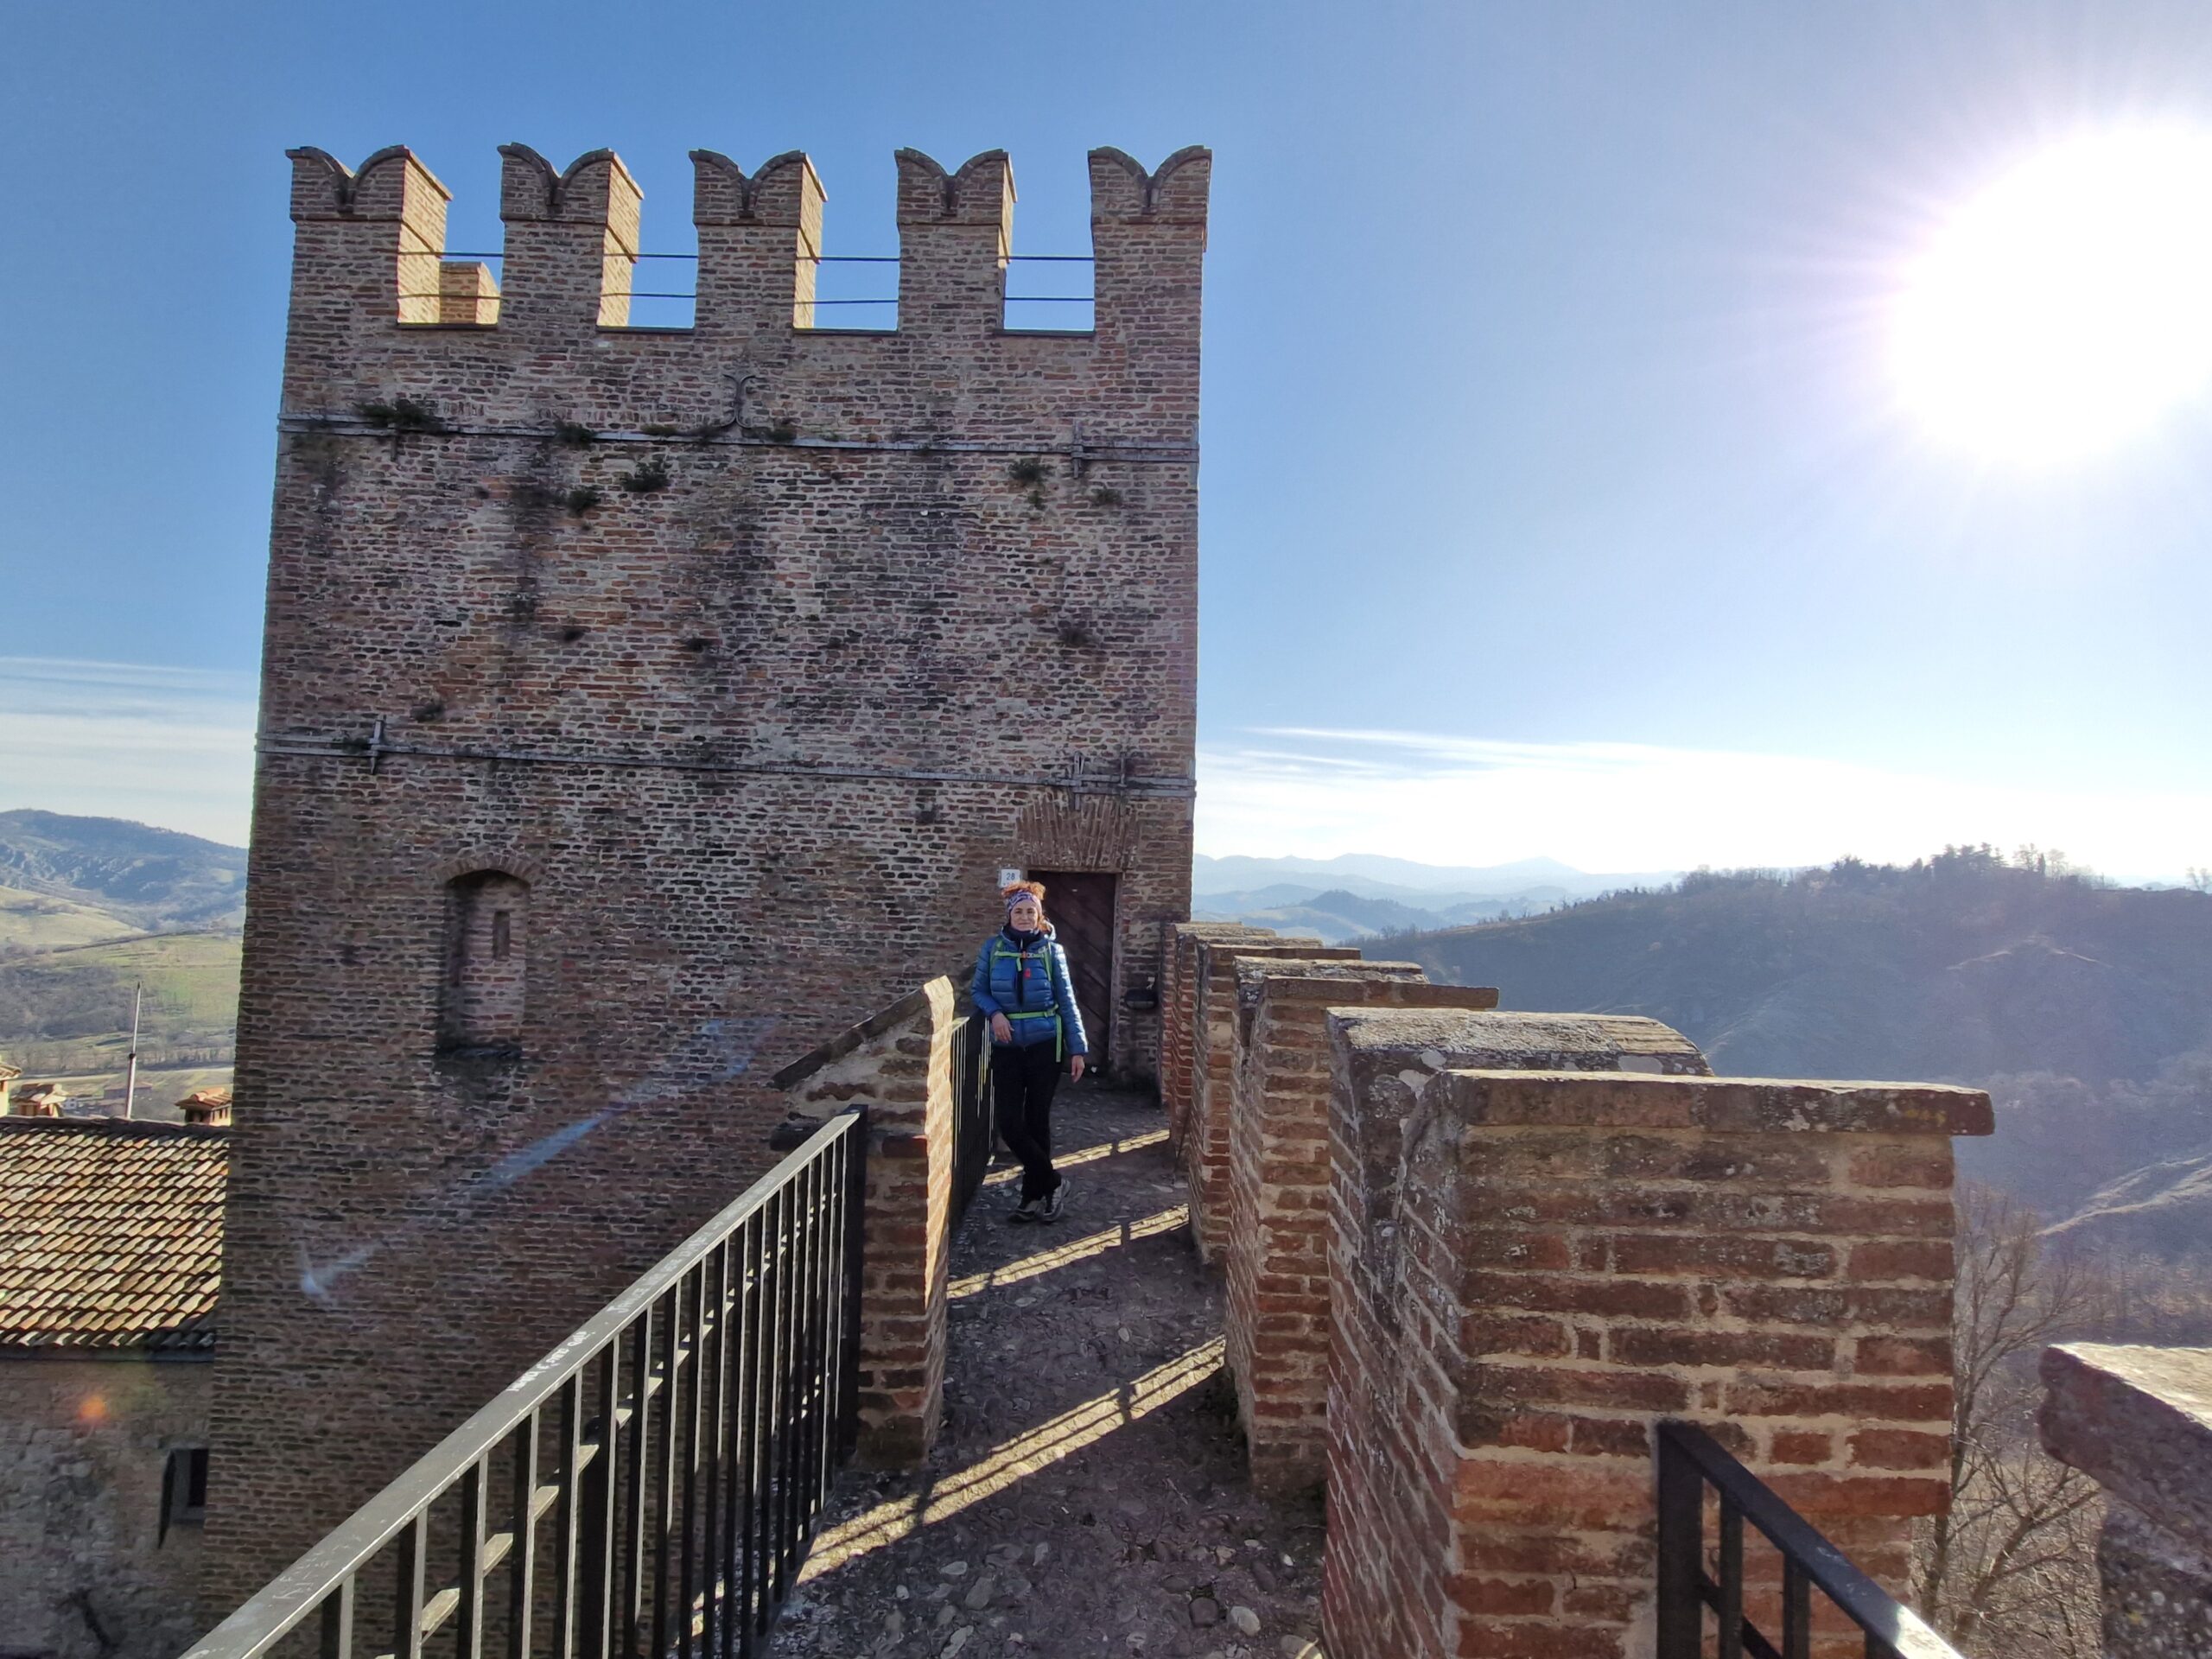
x: 1029, y: 984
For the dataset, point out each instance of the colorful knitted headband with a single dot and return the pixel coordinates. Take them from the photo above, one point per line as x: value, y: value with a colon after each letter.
x: 1022, y: 896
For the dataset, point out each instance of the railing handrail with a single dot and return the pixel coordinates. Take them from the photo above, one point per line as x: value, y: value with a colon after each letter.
x: 279, y: 1606
x: 1858, y: 1598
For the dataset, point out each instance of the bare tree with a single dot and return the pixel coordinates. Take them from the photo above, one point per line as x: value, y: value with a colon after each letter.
x: 2011, y: 1567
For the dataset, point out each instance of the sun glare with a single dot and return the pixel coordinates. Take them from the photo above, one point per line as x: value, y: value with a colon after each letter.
x: 2069, y: 307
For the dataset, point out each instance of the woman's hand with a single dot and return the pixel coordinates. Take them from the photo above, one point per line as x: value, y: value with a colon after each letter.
x: 1001, y: 1028
x: 1075, y: 1068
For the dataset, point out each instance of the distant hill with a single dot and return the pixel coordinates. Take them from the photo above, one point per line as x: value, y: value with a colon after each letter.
x: 66, y: 1012
x: 1339, y: 916
x: 2082, y: 1007
x: 38, y: 921
x: 147, y: 877
x: 1359, y: 894
x: 1372, y: 875
x: 91, y: 908
x: 2163, y: 1209
x: 1958, y: 967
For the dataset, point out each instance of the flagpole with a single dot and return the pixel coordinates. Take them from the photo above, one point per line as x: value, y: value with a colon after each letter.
x: 130, y: 1081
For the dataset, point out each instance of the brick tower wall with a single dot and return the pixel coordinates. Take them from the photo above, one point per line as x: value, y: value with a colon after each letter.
x: 639, y: 708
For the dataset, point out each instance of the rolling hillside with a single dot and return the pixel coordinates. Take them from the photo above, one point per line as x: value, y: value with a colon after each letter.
x: 35, y: 921
x: 150, y: 877
x: 95, y: 907
x: 1956, y: 968
x: 2082, y: 1008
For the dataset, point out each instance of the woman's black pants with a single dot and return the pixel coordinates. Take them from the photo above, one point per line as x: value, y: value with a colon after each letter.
x: 1023, y: 1077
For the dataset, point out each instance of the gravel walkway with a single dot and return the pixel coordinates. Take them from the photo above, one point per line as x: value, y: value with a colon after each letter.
x: 1088, y: 1495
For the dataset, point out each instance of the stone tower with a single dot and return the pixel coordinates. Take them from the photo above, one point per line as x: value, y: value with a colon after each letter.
x: 640, y: 706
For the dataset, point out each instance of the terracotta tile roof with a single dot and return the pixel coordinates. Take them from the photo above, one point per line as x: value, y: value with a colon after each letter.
x: 110, y: 1233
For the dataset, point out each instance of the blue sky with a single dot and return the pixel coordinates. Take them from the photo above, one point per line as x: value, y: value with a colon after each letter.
x: 1556, y: 497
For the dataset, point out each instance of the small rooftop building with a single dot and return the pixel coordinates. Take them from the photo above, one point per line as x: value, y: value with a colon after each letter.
x: 207, y: 1109
x: 39, y: 1100
x: 111, y: 1255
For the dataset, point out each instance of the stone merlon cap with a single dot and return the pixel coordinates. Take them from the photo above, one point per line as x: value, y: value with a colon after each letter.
x: 2139, y: 1422
x: 1457, y: 1035
x: 1254, y: 973
x: 1716, y: 1105
x: 1408, y: 990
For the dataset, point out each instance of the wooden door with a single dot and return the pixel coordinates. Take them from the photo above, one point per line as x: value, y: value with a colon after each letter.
x: 1079, y: 904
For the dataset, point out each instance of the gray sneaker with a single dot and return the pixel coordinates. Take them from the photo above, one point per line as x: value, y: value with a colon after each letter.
x: 1031, y: 1210
x: 1055, y: 1203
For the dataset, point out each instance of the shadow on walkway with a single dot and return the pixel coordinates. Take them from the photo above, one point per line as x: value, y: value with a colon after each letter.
x: 1088, y: 1495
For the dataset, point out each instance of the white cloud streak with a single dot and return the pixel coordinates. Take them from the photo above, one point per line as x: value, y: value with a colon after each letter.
x: 172, y: 746
x: 1311, y: 792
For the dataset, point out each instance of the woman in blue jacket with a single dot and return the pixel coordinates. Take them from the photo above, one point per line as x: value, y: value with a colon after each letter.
x: 1022, y: 988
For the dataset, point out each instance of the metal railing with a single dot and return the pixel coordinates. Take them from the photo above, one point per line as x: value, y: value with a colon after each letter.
x: 817, y: 260
x: 972, y: 1124
x: 648, y: 1490
x: 1689, y: 1461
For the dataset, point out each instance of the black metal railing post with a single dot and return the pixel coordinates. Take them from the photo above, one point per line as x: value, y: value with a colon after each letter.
x: 1689, y: 1461
x: 1681, y: 1521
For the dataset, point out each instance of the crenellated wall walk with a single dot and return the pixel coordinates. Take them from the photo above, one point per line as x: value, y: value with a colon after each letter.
x: 1475, y: 1257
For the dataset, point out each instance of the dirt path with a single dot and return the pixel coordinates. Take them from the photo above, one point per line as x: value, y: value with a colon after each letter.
x: 1088, y: 1494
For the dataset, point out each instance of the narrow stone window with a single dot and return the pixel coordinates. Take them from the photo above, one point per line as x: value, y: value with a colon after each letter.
x: 488, y: 961
x: 184, y: 1490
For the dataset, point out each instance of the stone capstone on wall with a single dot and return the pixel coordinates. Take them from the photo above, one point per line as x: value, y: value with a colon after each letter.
x: 2139, y: 1422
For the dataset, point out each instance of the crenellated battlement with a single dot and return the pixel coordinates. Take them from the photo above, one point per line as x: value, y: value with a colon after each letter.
x: 371, y: 265
x: 1174, y: 193
x: 323, y: 187
x: 980, y: 193
x: 785, y: 192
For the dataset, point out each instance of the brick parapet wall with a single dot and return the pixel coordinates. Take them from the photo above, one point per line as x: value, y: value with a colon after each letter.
x: 2137, y: 1421
x: 897, y: 1065
x: 1555, y: 1261
x: 1178, y: 1003
x: 1205, y: 1143
x: 1277, y: 1307
x: 681, y: 628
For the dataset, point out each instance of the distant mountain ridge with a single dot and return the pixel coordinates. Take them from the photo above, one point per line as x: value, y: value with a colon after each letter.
x: 151, y: 878
x: 1356, y: 894
x: 1375, y: 875
x: 1339, y: 916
